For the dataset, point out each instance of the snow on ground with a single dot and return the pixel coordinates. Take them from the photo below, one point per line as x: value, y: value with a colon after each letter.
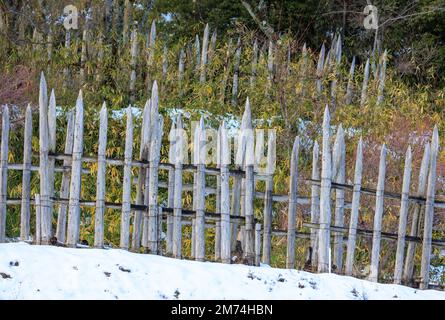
x: 47, y: 272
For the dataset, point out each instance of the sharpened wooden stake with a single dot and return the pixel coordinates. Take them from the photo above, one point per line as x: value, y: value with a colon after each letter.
x: 199, y: 160
x: 415, y: 227
x: 325, y: 197
x: 224, y: 162
x: 292, y: 214
x: 65, y: 184
x: 76, y: 178
x: 25, y: 214
x: 339, y: 176
x: 315, y: 205
x: 177, y: 201
x: 4, y: 172
x: 142, y: 178
x: 377, y: 231
x: 429, y: 213
x: 352, y: 236
x: 404, y: 205
x: 100, y: 183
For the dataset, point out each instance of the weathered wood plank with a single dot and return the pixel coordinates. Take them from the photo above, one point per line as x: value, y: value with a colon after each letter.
x: 339, y: 176
x: 199, y: 160
x: 379, y: 202
x: 257, y: 244
x: 4, y: 149
x: 224, y: 158
x: 140, y: 192
x: 75, y: 181
x: 100, y: 183
x: 415, y: 227
x: 354, y: 210
x: 25, y: 214
x: 177, y: 201
x: 325, y: 197
x: 292, y: 213
x: 315, y: 204
x: 403, y: 215
x: 429, y: 213
x: 268, y: 199
x: 65, y: 184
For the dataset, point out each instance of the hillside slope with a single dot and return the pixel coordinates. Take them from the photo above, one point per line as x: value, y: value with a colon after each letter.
x: 46, y: 272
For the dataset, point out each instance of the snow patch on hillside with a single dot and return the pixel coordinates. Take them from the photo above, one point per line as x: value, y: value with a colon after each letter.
x: 47, y: 272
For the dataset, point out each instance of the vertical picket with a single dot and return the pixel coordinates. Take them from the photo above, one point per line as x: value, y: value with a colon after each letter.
x: 224, y: 162
x: 171, y: 190
x: 156, y: 122
x: 293, y: 196
x: 177, y: 201
x: 26, y: 177
x: 325, y: 197
x: 38, y: 208
x: 236, y: 73
x: 429, y: 213
x: 350, y: 87
x: 254, y: 63
x: 319, y: 71
x: 142, y: 177
x: 421, y: 189
x: 382, y: 77
x: 100, y: 184
x: 354, y: 209
x: 267, y: 213
x: 404, y: 205
x: 4, y: 172
x: 364, y: 93
x: 65, y: 184
x: 200, y: 157
x: 249, y: 187
x: 376, y: 235
x: 339, y: 167
x: 76, y: 178
x: 44, y: 162
x: 205, y: 45
x: 315, y: 205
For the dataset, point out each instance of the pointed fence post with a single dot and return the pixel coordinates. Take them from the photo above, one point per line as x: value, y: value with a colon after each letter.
x: 25, y: 214
x: 377, y: 232
x: 205, y: 45
x: 382, y: 77
x: 65, y: 184
x: 52, y: 144
x: 339, y: 175
x: 315, y: 205
x: 350, y: 87
x: 270, y: 65
x: 197, y: 55
x: 352, y: 235
x: 325, y: 197
x: 155, y: 148
x: 226, y: 71
x: 44, y: 170
x: 4, y: 172
x: 76, y: 178
x: 404, y: 205
x: 429, y: 213
x: 133, y: 63
x: 254, y: 63
x: 100, y: 183
x: 267, y: 213
x: 364, y: 93
x: 142, y: 177
x: 177, y: 201
x: 421, y: 190
x: 319, y: 71
x: 200, y: 157
x: 181, y: 68
x: 171, y: 189
x: 236, y: 73
x: 293, y: 197
x: 224, y: 162
x: 249, y: 187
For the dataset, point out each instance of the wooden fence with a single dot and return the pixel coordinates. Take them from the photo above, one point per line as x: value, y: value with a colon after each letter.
x: 235, y: 193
